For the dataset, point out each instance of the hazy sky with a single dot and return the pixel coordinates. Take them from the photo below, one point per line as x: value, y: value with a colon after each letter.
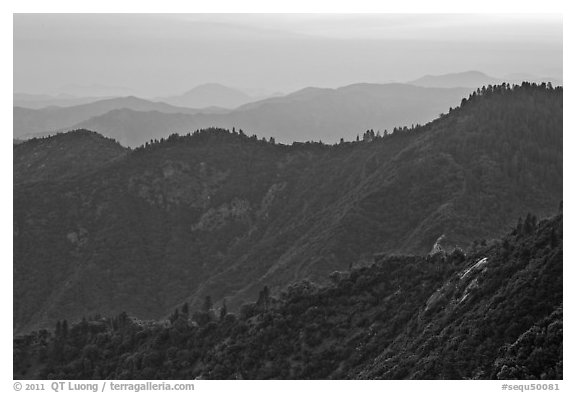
x: 160, y: 54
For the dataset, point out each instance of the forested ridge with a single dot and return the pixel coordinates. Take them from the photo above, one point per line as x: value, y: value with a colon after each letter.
x: 494, y: 312
x: 67, y: 155
x: 223, y: 214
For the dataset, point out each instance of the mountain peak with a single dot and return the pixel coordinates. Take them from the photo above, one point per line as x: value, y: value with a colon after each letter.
x: 209, y: 95
x: 63, y: 155
x: 212, y: 85
x: 462, y: 73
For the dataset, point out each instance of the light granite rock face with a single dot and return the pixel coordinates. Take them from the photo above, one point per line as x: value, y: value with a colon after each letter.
x: 215, y: 218
x: 437, y: 248
x: 271, y: 195
x: 78, y: 237
x: 178, y: 184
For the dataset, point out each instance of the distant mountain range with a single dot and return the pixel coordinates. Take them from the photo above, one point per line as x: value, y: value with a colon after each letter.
x: 308, y: 114
x: 220, y: 213
x: 39, y: 101
x: 95, y: 90
x: 209, y: 95
x: 49, y: 120
x: 203, y: 96
x: 477, y: 79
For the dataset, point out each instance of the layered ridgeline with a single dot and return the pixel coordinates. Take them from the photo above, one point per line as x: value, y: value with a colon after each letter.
x: 221, y: 214
x: 495, y: 313
x: 28, y: 121
x: 308, y: 114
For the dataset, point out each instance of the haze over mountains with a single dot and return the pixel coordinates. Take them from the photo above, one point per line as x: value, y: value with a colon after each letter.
x: 476, y: 79
x: 95, y: 90
x: 28, y: 122
x: 39, y: 101
x: 202, y: 96
x: 210, y: 95
x: 308, y: 114
x: 223, y: 214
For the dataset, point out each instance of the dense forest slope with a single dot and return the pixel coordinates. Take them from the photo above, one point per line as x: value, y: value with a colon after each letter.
x: 70, y: 154
x: 495, y: 313
x: 222, y: 214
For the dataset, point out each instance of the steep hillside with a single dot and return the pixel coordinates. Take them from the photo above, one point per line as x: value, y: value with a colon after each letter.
x: 222, y: 214
x: 495, y: 313
x: 64, y: 155
x: 308, y: 114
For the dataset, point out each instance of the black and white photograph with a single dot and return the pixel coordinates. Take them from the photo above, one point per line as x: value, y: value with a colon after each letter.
x: 286, y: 196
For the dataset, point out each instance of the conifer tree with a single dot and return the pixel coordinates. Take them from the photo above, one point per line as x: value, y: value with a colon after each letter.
x: 223, y: 310
x: 207, y: 304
